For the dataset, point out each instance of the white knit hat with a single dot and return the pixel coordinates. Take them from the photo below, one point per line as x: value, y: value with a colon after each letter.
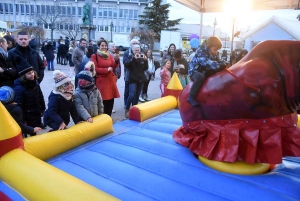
x: 90, y: 66
x: 60, y: 78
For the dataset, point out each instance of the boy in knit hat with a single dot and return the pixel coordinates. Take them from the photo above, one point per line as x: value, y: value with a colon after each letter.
x: 60, y: 103
x: 28, y: 94
x: 7, y: 96
x: 87, y: 97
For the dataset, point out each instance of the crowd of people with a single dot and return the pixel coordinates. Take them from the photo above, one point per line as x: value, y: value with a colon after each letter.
x: 96, y: 68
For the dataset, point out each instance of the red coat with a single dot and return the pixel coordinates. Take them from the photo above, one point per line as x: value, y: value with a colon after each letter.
x: 106, y: 81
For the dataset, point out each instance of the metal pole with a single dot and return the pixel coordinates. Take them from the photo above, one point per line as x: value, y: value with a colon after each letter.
x: 201, y: 21
x: 232, y: 37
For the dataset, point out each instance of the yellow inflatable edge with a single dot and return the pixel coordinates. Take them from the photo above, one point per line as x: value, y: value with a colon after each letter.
x: 50, y: 144
x: 36, y: 180
x: 155, y: 107
x: 238, y: 167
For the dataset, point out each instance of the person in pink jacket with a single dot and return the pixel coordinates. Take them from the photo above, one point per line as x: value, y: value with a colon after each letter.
x: 105, y: 78
x: 165, y: 75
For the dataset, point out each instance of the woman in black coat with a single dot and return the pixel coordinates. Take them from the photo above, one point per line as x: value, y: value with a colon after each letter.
x: 8, y: 73
x: 62, y: 53
x: 49, y: 54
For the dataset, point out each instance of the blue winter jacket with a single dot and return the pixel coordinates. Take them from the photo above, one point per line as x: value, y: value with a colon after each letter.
x: 205, y: 62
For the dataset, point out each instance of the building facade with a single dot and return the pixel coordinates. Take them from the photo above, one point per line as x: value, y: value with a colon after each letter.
x: 116, y: 16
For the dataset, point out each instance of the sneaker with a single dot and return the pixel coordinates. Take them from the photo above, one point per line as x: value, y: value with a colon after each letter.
x: 126, y: 114
x: 141, y: 99
x: 113, y: 111
x: 146, y: 98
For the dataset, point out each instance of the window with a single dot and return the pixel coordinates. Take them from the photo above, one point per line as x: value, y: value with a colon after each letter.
x: 100, y: 28
x: 22, y: 9
x: 73, y: 11
x: 79, y: 12
x: 27, y: 9
x: 11, y: 8
x: 106, y: 28
x: 61, y: 27
x: 131, y: 14
x: 104, y: 12
x: 121, y: 29
x: 127, y: 29
x: 126, y: 14
x: 100, y: 12
x: 121, y: 13
x: 64, y: 10
x: 135, y: 14
x: 38, y: 9
x: 115, y: 13
x: 109, y: 13
x: 48, y: 9
x: 32, y: 9
x: 69, y: 11
x: 6, y: 8
x: 1, y: 8
x: 94, y: 12
x: 43, y: 9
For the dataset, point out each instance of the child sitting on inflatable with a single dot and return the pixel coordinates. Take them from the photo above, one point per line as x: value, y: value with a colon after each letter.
x: 205, y: 63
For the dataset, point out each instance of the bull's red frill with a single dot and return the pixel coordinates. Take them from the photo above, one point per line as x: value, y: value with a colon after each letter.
x: 262, y: 140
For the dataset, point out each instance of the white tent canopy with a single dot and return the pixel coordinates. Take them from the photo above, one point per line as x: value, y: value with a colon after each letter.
x: 206, y: 6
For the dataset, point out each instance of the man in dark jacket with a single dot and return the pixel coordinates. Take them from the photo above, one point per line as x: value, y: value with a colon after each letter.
x: 23, y: 50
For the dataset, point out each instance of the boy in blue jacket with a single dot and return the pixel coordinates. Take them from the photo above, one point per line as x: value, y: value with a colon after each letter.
x: 205, y: 63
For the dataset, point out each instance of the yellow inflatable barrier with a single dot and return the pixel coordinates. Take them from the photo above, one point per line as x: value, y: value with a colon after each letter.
x: 144, y: 111
x: 48, y: 145
x: 37, y: 180
x: 237, y: 167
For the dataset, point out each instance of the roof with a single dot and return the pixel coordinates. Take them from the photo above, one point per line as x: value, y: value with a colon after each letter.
x: 218, y: 5
x: 290, y: 26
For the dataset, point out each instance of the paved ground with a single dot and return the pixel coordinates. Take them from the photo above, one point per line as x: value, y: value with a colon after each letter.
x: 153, y: 90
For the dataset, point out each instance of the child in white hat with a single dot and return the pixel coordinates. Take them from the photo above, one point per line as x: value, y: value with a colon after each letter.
x: 61, y: 104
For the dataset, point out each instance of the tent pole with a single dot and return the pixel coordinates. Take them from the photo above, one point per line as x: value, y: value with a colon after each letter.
x: 201, y: 20
x: 232, y: 37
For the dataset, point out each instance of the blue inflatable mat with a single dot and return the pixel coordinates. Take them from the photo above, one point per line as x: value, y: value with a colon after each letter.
x: 143, y: 162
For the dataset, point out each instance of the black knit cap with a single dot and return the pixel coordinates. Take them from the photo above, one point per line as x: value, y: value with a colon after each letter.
x: 23, y: 66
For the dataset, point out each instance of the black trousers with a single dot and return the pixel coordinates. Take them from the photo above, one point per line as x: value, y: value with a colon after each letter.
x: 198, y: 80
x: 108, y: 106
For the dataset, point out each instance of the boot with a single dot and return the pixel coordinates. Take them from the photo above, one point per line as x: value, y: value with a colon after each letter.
x: 191, y: 99
x: 126, y: 114
x: 145, y: 97
x: 72, y: 72
x: 141, y: 99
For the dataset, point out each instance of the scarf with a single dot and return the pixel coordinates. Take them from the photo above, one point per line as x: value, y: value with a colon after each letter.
x: 29, y: 84
x: 104, y: 55
x: 3, y: 52
x: 66, y: 96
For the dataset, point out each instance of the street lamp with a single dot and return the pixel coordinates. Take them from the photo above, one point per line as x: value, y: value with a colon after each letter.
x: 215, y: 24
x: 111, y: 30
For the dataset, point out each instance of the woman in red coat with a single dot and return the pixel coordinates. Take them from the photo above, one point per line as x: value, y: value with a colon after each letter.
x: 105, y: 78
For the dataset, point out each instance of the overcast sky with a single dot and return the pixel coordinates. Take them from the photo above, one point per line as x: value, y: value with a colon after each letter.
x: 225, y: 22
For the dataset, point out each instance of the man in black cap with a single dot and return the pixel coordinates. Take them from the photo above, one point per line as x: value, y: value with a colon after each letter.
x: 23, y: 50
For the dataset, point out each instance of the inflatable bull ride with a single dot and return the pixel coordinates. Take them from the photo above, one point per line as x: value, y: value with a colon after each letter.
x: 248, y: 113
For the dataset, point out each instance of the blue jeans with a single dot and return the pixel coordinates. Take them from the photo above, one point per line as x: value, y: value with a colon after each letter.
x: 126, y: 92
x: 135, y: 89
x: 50, y: 64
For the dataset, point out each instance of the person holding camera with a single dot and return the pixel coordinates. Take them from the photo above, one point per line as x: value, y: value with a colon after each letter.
x: 136, y: 63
